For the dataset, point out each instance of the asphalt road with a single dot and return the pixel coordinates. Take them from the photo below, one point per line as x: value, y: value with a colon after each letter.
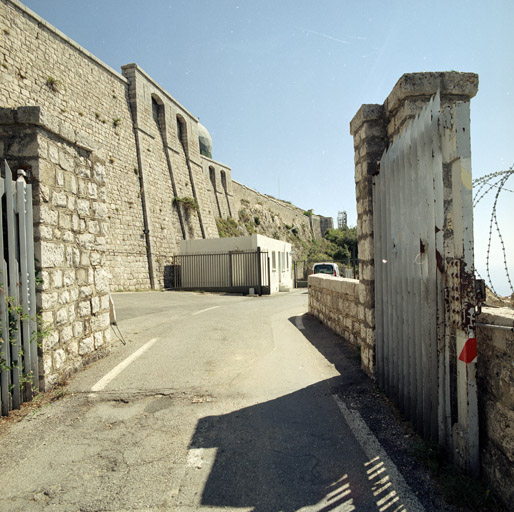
x: 216, y: 402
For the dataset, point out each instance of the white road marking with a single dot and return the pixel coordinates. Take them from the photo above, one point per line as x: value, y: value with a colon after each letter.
x: 195, y: 458
x: 299, y: 323
x: 204, y: 310
x: 378, y: 456
x: 118, y: 369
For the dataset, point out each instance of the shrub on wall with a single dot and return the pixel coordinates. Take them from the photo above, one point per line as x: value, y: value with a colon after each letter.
x: 189, y: 203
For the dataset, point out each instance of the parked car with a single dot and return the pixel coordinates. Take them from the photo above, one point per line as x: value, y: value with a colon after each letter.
x: 326, y: 268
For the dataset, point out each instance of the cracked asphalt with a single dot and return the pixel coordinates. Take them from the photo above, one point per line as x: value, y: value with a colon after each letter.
x: 238, y: 403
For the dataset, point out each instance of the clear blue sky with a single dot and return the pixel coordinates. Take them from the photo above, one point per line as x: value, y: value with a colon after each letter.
x: 276, y: 82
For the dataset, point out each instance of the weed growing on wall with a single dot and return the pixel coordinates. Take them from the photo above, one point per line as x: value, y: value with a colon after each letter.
x: 227, y: 228
x: 53, y: 84
x: 189, y: 203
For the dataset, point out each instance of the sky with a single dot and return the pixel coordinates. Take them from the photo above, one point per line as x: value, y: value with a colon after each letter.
x: 277, y: 82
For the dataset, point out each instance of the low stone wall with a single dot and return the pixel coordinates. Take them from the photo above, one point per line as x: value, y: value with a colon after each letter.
x: 335, y: 302
x: 495, y: 376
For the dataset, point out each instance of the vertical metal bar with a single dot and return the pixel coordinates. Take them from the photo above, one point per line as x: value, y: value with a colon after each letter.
x: 404, y: 261
x: 5, y: 349
x: 411, y: 207
x: 259, y: 272
x: 269, y: 274
x: 386, y: 240
x: 379, y: 304
x: 382, y: 226
x: 24, y: 283
x: 15, y: 339
x: 417, y: 290
x: 230, y: 270
x: 32, y: 290
x: 444, y: 400
x: 393, y: 186
x: 423, y: 311
x: 431, y: 113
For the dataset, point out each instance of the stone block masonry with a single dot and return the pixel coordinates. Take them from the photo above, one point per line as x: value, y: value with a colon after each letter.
x: 71, y: 226
x: 495, y: 379
x: 336, y: 303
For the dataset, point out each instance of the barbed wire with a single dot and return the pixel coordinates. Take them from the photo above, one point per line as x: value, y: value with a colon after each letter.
x: 483, y: 186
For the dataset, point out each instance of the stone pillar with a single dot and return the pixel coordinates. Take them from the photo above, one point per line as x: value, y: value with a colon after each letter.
x: 70, y: 228
x: 368, y: 128
x: 373, y: 128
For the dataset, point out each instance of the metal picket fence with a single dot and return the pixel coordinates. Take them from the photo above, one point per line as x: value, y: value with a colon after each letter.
x: 19, y: 374
x: 232, y: 272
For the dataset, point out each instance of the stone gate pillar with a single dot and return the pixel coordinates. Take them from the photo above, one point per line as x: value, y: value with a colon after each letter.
x: 368, y: 128
x: 373, y: 128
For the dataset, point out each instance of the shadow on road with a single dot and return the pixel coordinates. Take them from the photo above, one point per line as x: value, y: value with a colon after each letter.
x: 285, y: 454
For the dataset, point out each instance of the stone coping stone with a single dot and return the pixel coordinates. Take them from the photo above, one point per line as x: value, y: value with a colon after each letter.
x: 335, y: 284
x: 449, y: 83
x: 497, y: 316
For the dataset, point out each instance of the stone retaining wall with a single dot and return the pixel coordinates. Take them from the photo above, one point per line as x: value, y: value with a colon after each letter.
x: 495, y: 378
x: 335, y: 302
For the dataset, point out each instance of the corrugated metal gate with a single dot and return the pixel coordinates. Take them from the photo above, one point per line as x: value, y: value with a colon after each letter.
x: 18, y: 348
x: 235, y: 272
x: 424, y: 284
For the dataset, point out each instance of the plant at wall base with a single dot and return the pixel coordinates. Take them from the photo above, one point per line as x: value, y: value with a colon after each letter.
x: 16, y: 316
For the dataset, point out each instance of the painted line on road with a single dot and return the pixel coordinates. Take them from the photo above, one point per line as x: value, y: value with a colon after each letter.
x: 118, y: 369
x: 383, y: 464
x: 299, y: 323
x: 204, y: 310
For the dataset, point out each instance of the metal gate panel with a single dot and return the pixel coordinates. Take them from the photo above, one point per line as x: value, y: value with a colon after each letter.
x: 18, y: 329
x: 424, y: 293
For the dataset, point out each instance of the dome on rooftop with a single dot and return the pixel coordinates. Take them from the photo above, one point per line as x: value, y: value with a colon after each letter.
x: 205, y: 140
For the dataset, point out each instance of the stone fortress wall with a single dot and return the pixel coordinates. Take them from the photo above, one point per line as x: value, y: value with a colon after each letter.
x: 121, y: 174
x: 273, y: 210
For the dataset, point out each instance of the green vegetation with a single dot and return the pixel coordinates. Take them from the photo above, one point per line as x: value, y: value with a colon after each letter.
x: 308, y: 213
x: 227, y: 228
x: 116, y: 122
x: 54, y: 84
x: 345, y: 240
x: 189, y: 203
